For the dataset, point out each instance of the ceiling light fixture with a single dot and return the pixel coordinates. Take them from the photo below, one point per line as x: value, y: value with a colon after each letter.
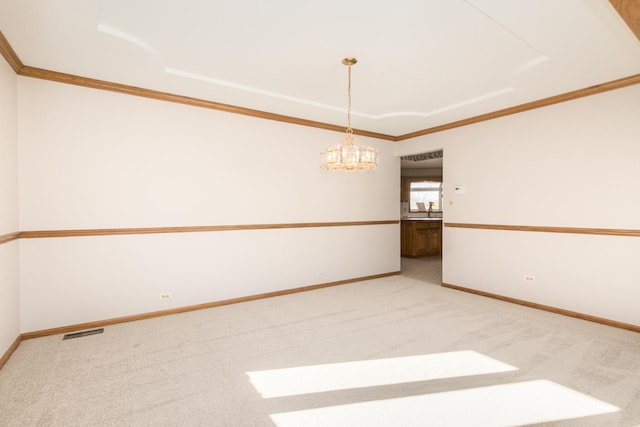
x: 349, y: 155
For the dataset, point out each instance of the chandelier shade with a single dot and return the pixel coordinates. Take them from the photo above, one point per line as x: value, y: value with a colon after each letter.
x: 349, y: 155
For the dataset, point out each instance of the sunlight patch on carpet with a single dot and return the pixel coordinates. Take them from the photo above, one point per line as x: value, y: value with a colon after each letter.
x: 371, y: 373
x: 497, y: 405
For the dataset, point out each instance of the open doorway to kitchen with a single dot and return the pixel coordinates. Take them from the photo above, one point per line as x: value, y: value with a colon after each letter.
x: 421, y: 216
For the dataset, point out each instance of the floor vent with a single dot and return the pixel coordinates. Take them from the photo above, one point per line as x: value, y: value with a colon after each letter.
x: 83, y: 334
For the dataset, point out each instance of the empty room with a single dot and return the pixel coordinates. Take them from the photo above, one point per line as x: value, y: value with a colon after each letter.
x: 206, y: 216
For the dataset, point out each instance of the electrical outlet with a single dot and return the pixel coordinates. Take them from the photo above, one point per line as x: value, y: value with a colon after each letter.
x: 165, y: 295
x: 529, y: 279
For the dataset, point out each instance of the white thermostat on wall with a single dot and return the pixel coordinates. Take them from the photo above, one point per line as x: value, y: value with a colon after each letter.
x: 459, y: 189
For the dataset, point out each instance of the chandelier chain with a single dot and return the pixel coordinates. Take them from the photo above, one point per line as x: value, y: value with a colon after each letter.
x: 349, y: 130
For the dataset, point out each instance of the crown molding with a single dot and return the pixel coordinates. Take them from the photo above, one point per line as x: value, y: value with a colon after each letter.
x: 629, y: 10
x: 56, y: 76
x: 9, y: 54
x: 568, y: 96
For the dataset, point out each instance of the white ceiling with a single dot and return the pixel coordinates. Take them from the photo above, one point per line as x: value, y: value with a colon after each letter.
x: 422, y: 63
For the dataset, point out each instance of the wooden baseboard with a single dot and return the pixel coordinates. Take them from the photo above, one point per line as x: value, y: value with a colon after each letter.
x: 125, y: 319
x: 601, y: 320
x: 7, y: 354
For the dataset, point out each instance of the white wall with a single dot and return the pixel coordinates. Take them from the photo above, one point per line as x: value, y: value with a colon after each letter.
x: 96, y: 159
x: 575, y: 164
x: 9, y: 278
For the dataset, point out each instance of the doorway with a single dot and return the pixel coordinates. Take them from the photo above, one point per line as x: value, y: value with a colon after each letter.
x: 421, y: 228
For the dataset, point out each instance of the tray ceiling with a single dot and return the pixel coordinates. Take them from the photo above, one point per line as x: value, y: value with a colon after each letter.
x: 421, y: 63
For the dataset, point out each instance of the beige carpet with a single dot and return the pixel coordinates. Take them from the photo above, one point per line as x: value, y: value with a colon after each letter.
x: 427, y: 269
x: 395, y: 351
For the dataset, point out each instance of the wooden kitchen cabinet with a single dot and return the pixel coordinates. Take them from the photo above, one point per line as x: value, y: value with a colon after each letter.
x: 421, y: 237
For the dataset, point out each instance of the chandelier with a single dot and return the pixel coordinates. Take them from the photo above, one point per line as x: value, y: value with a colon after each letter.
x: 349, y: 155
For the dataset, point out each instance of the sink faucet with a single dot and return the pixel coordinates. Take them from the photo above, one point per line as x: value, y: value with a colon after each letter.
x: 430, y: 210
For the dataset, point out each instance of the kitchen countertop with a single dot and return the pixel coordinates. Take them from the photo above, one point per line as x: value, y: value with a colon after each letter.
x: 421, y: 219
